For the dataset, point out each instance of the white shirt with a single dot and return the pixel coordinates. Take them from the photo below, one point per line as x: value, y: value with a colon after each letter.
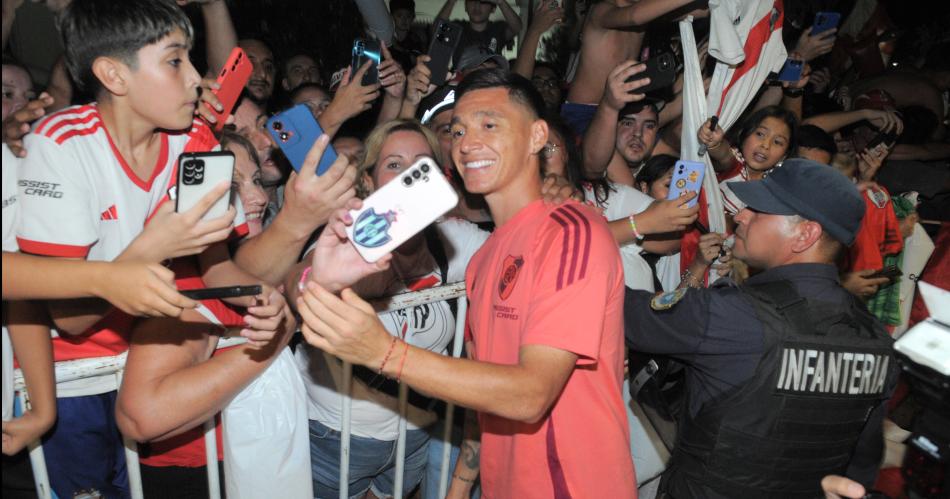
x: 622, y: 202
x: 376, y: 414
x: 10, y: 216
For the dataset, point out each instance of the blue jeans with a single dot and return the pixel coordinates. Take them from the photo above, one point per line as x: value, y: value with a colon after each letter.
x: 578, y: 116
x: 84, y: 450
x: 372, y: 463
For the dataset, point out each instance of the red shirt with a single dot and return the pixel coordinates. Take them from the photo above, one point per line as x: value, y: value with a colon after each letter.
x: 552, y: 276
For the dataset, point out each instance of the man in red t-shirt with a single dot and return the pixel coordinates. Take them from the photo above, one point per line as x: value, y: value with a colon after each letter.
x: 546, y: 317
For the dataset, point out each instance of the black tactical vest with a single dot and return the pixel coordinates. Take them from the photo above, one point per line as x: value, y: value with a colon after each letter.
x: 823, y: 370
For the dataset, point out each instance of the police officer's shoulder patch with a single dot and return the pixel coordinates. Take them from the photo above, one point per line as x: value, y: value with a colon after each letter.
x: 665, y: 301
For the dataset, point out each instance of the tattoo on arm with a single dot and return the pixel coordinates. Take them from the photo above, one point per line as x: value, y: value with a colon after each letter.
x: 470, y: 454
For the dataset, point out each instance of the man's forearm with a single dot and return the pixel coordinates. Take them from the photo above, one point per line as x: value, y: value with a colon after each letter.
x: 390, y: 109
x: 446, y: 10
x: 271, y: 254
x: 221, y: 36
x: 599, y: 141
x: 640, y: 13
x: 30, y: 336
x: 468, y: 464
x: 524, y: 65
x: 511, y: 17
x: 832, y: 122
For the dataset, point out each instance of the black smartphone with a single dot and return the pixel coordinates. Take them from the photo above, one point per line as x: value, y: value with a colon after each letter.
x: 891, y: 272
x: 446, y: 39
x: 661, y: 70
x: 366, y: 50
x: 224, y: 292
x: 886, y: 138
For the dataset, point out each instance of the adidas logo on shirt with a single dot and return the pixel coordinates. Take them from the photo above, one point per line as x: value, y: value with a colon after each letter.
x: 109, y: 214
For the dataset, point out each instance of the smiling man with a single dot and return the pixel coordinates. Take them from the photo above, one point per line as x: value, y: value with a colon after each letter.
x: 787, y: 374
x: 546, y: 294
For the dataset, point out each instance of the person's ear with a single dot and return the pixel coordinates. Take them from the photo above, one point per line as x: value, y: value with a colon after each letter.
x: 286, y: 84
x: 113, y: 74
x: 539, y: 135
x: 807, y: 235
x: 366, y: 180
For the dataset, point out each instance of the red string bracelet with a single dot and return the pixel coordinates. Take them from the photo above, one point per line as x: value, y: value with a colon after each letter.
x: 402, y: 362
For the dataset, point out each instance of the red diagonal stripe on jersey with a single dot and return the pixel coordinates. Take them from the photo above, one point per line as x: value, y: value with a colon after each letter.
x: 587, y: 236
x: 423, y: 283
x: 62, y: 114
x: 575, y: 243
x: 565, y: 228
x: 79, y: 120
x: 758, y: 36
x: 80, y: 132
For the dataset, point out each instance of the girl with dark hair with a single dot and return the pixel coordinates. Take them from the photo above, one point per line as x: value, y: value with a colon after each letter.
x: 764, y: 139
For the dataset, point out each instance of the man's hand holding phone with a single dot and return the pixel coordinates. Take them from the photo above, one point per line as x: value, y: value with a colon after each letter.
x: 391, y: 76
x: 208, y: 98
x: 140, y: 289
x: 619, y: 92
x: 351, y: 98
x: 418, y: 85
x: 813, y: 46
x: 309, y: 199
x: 169, y: 234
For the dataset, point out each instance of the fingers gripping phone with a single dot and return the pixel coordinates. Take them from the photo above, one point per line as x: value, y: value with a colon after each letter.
x: 231, y: 80
x: 199, y: 173
x: 825, y: 21
x: 446, y: 39
x: 401, y: 209
x: 687, y: 176
x: 890, y: 272
x: 295, y: 131
x: 661, y: 70
x: 366, y: 50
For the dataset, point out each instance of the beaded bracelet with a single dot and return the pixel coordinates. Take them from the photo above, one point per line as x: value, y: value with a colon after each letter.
x: 633, y: 228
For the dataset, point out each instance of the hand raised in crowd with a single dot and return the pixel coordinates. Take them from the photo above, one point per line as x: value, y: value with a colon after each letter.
x: 556, y: 189
x: 820, y: 80
x: 208, y: 100
x: 169, y: 234
x: 345, y: 326
x: 668, y: 215
x: 802, y: 81
x: 268, y: 319
x: 352, y: 97
x: 335, y: 263
x: 391, y: 75
x: 19, y: 432
x: 839, y: 487
x: 885, y: 121
x: 17, y: 125
x: 546, y: 15
x: 141, y: 289
x: 861, y: 283
x: 418, y: 85
x: 811, y: 47
x: 870, y: 161
x: 618, y: 91
x: 712, y: 138
x: 309, y: 199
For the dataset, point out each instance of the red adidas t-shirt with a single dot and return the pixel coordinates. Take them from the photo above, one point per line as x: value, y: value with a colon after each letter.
x: 552, y: 276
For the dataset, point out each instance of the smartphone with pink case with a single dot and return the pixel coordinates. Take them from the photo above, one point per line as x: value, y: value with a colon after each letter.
x: 401, y: 209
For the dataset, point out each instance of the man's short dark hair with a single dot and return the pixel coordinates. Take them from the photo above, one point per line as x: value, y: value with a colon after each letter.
x: 111, y: 28
x: 816, y: 138
x: 519, y: 88
x: 409, y: 5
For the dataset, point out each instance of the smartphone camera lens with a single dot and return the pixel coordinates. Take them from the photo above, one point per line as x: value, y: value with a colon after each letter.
x: 424, y: 168
x: 416, y: 174
x: 407, y: 180
x: 278, y: 126
x: 284, y: 136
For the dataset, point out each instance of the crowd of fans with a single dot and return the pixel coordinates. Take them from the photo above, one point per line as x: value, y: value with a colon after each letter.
x: 90, y: 227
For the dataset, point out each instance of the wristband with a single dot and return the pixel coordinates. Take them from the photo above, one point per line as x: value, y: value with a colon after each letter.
x: 388, y: 353
x: 466, y: 480
x: 302, y: 283
x: 402, y: 362
x: 793, y: 92
x: 633, y: 228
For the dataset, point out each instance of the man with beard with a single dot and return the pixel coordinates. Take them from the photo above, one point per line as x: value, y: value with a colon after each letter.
x: 623, y: 132
x: 249, y: 119
x: 261, y: 84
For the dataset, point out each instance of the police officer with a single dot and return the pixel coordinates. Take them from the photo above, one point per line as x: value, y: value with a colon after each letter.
x: 787, y: 374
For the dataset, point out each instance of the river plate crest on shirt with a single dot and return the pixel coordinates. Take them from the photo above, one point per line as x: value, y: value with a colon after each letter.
x: 372, y: 229
x: 509, y: 275
x: 665, y: 301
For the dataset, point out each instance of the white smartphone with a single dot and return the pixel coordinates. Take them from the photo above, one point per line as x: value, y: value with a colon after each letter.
x: 198, y: 173
x: 401, y: 209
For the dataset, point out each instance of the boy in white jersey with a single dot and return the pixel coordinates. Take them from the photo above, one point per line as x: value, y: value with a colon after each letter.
x: 94, y: 176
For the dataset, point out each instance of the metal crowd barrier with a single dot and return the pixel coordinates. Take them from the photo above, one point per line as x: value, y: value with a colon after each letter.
x: 113, y: 366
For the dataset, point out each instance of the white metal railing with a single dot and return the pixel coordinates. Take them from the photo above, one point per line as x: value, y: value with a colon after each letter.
x: 113, y: 366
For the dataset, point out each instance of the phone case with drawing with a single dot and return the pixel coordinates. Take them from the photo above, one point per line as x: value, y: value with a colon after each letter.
x: 200, y: 172
x: 687, y: 176
x: 401, y: 209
